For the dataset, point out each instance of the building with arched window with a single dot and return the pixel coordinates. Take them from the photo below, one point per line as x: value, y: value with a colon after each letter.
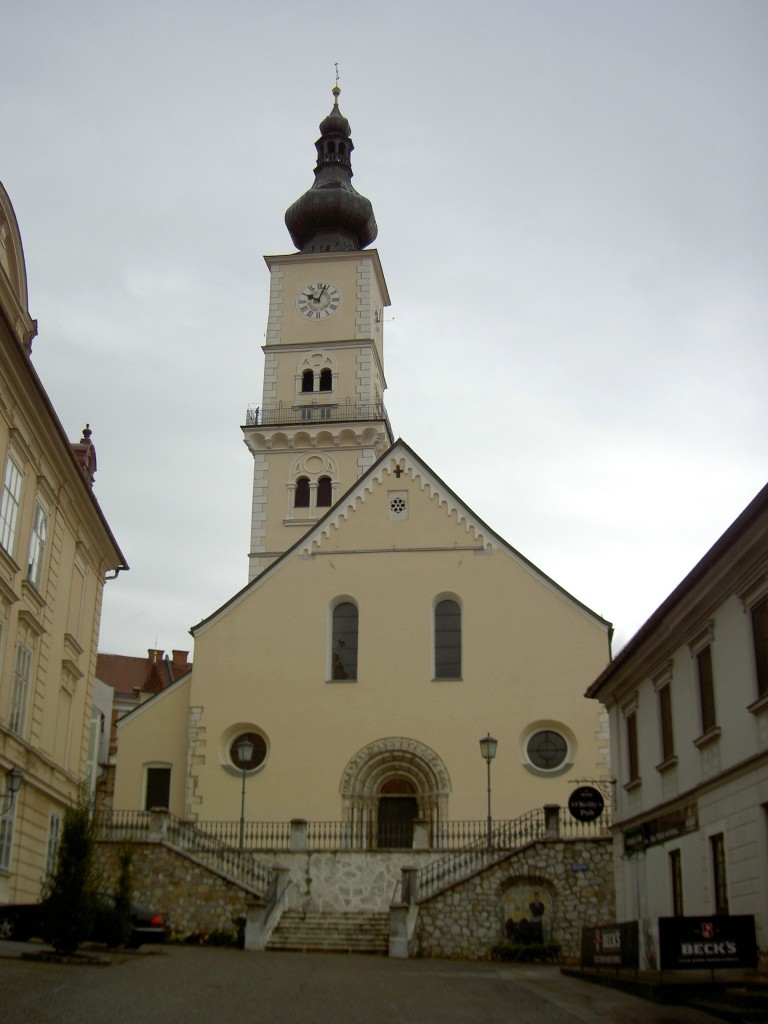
x: 385, y: 627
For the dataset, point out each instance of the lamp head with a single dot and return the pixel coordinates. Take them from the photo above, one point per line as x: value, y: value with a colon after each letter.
x: 244, y: 752
x: 488, y: 748
x: 13, y: 781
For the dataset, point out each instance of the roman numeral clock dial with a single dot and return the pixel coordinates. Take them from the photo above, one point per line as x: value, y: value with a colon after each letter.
x: 318, y: 301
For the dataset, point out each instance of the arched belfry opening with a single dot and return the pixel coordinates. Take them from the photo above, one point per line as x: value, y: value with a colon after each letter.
x: 388, y: 785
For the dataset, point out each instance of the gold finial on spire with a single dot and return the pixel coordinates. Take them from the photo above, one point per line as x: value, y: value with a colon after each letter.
x: 336, y: 90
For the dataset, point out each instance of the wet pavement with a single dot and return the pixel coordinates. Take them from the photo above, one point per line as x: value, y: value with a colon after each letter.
x: 158, y: 985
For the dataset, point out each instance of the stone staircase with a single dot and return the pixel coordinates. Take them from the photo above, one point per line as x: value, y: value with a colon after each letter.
x: 331, y: 932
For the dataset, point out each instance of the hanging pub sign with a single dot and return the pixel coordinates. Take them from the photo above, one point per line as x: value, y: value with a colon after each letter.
x: 689, y: 943
x: 586, y: 803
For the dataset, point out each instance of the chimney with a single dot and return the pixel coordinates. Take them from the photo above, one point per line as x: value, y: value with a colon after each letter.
x: 180, y: 659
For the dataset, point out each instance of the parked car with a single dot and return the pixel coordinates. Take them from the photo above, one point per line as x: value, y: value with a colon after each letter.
x: 23, y: 921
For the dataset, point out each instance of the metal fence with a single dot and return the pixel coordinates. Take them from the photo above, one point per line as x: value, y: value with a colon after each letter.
x: 274, y: 836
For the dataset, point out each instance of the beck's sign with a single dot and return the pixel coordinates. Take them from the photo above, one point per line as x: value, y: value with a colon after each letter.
x: 610, y: 945
x: 689, y: 943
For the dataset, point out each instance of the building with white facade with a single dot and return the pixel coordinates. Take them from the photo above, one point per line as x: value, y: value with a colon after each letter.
x: 688, y: 705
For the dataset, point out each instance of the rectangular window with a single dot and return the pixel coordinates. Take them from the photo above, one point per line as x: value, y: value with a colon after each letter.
x: 719, y: 877
x: 37, y: 546
x: 633, y: 767
x: 665, y: 720
x: 22, y: 671
x: 760, y: 639
x: 676, y: 882
x: 6, y: 839
x: 158, y: 788
x: 54, y: 833
x: 706, y: 690
x: 9, y: 505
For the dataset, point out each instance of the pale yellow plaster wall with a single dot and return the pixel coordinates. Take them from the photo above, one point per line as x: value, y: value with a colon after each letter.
x: 343, y: 270
x: 154, y: 735
x: 529, y: 653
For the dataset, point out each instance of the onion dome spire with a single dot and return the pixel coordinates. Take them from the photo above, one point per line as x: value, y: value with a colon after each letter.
x: 332, y: 216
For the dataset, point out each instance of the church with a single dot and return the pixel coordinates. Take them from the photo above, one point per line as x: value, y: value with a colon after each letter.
x: 385, y: 628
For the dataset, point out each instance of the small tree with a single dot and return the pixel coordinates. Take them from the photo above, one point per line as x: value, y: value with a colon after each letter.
x: 67, y: 914
x: 119, y: 925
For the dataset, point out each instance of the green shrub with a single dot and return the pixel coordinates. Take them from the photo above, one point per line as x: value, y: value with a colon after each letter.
x: 527, y: 952
x: 216, y: 937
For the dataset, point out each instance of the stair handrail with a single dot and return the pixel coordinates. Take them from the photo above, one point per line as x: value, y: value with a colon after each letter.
x: 239, y: 865
x: 460, y: 864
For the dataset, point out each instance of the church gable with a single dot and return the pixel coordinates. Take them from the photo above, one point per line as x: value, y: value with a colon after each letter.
x: 398, y: 504
x: 401, y: 505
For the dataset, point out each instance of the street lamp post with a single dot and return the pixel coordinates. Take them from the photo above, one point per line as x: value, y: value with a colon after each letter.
x: 12, y: 785
x: 244, y: 755
x: 488, y: 750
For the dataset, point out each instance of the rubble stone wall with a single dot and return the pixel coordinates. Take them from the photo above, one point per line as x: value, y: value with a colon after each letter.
x: 468, y: 920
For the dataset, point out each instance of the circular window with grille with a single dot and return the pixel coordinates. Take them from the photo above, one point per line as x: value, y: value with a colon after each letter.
x: 397, y: 505
x: 547, y: 749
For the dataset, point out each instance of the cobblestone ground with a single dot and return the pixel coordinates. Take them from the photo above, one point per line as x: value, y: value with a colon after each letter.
x: 222, y: 986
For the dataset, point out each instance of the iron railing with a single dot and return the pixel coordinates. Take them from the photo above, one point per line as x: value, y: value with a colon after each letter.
x: 257, y: 835
x: 342, y: 412
x: 482, y: 851
x: 237, y: 864
x: 457, y: 836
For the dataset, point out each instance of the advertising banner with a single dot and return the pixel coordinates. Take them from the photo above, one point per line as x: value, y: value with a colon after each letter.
x: 689, y: 943
x: 610, y: 945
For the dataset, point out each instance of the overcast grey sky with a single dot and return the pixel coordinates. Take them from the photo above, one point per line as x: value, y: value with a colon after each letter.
x: 571, y: 199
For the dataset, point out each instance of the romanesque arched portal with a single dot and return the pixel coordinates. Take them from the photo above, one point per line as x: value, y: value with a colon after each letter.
x: 386, y: 785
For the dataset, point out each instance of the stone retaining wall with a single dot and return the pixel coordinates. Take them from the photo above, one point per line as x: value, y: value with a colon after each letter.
x: 576, y: 877
x: 464, y: 922
x: 192, y: 897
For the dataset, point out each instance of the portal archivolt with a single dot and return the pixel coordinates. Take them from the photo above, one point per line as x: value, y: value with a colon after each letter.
x: 387, y: 785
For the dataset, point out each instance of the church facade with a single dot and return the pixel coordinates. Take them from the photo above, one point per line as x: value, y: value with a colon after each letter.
x: 385, y: 628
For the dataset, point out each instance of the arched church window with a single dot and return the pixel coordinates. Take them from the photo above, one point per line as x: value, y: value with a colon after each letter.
x: 324, y: 492
x: 447, y: 640
x: 344, y: 641
x: 301, y: 495
x: 326, y: 380
x: 307, y: 381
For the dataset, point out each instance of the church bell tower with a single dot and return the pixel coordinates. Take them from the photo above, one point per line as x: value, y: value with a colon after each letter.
x: 322, y: 420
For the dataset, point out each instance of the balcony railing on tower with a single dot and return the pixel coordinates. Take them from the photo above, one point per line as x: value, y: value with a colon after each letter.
x: 316, y: 412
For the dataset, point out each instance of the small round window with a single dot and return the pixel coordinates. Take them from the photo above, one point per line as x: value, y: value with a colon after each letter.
x: 547, y: 749
x: 248, y: 751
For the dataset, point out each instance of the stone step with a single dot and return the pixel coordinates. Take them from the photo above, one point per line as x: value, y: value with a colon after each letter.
x: 331, y: 932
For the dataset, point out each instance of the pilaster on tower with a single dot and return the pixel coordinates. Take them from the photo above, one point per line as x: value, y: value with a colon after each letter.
x: 322, y: 420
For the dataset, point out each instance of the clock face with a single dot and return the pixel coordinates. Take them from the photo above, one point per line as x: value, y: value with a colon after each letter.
x: 318, y: 301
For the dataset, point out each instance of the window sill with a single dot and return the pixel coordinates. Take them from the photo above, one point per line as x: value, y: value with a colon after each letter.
x: 633, y: 784
x: 447, y: 679
x: 33, y: 595
x: 665, y: 765
x: 761, y: 704
x: 331, y: 681
x: 708, y: 737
